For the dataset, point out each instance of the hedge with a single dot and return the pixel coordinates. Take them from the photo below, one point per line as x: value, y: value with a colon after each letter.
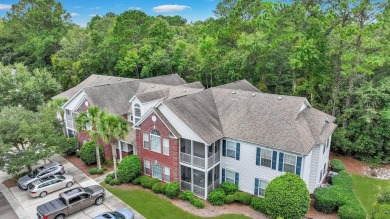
x: 158, y: 187
x: 242, y: 197
x: 88, y: 153
x: 129, y: 168
x: 138, y: 180
x: 217, y: 197
x: 343, y: 179
x: 186, y: 195
x: 172, y: 189
x: 326, y: 199
x: 149, y: 182
x: 287, y: 196
x: 95, y: 170
x: 229, y: 188
x: 69, y: 146
x: 197, y: 203
x: 337, y: 165
x: 380, y: 211
x: 258, y: 204
x: 107, y: 179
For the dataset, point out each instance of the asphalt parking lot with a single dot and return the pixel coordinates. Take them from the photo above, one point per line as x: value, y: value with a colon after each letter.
x: 29, y: 204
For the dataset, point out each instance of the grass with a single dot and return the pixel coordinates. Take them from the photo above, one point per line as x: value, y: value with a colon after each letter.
x: 367, y: 189
x: 152, y: 206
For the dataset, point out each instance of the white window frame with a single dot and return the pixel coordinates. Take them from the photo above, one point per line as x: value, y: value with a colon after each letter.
x: 228, y: 179
x: 231, y: 144
x: 145, y: 138
x: 266, y: 154
x: 167, y: 174
x: 157, y: 173
x: 154, y: 138
x: 121, y: 147
x: 135, y: 117
x: 147, y: 166
x: 262, y: 186
x: 291, y: 163
x: 166, y: 146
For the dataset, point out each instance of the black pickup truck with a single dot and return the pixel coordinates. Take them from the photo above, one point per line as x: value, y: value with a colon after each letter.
x: 71, y: 201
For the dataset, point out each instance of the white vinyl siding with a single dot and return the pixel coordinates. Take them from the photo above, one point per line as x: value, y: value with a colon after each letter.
x: 146, y: 141
x: 167, y: 174
x: 155, y: 142
x: 262, y: 186
x: 156, y: 171
x: 290, y: 163
x: 231, y: 149
x: 266, y: 158
x: 147, y: 167
x: 166, y: 146
x: 229, y: 176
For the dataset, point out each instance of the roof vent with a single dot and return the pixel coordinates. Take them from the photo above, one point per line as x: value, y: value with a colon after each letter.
x: 119, y: 79
x: 184, y: 90
x: 233, y: 92
x: 253, y: 95
x: 279, y: 98
x: 109, y: 78
x: 152, y: 86
x: 97, y: 76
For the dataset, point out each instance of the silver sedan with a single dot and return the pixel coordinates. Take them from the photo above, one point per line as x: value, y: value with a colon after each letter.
x: 43, y: 186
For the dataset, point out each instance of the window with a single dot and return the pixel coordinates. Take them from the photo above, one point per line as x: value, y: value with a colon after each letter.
x: 84, y: 196
x: 290, y: 162
x: 262, y: 185
x: 147, y: 167
x: 324, y: 171
x: 137, y: 112
x: 230, y: 175
x: 319, y: 181
x: 230, y: 149
x: 324, y: 147
x: 167, y: 174
x: 266, y: 158
x: 74, y: 200
x: 166, y: 146
x: 155, y: 141
x: 146, y: 141
x: 123, y: 146
x: 156, y: 171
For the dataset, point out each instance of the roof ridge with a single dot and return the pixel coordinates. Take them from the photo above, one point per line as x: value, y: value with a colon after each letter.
x: 216, y: 108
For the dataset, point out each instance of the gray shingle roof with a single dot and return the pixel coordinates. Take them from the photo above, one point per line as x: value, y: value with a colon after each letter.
x: 240, y: 85
x: 195, y: 84
x: 255, y: 117
x: 148, y: 92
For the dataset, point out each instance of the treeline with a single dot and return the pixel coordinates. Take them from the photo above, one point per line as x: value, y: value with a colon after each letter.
x: 334, y: 52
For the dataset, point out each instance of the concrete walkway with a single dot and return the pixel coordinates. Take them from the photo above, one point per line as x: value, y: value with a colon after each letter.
x: 25, y: 207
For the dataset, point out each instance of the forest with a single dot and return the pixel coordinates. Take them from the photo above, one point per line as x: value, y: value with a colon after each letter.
x: 336, y: 53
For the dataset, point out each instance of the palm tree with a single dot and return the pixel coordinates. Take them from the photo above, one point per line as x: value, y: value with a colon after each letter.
x: 113, y: 128
x: 56, y: 105
x: 89, y: 121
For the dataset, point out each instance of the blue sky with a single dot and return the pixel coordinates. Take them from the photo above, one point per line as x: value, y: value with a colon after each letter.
x: 83, y: 10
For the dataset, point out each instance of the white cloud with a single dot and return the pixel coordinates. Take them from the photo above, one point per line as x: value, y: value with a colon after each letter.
x: 5, y: 7
x: 170, y: 8
x: 135, y: 8
x: 74, y: 14
x: 77, y: 6
x: 95, y: 8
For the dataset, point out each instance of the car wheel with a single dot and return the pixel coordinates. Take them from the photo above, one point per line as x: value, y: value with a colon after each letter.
x: 99, y: 200
x: 43, y: 194
x: 61, y: 216
x: 69, y: 184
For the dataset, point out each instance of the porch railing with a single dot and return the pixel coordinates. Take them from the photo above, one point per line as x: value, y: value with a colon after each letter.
x: 199, y: 162
x: 213, y: 186
x: 185, y: 185
x: 213, y: 159
x: 196, y: 161
x: 69, y: 123
x: 199, y: 190
x: 186, y: 158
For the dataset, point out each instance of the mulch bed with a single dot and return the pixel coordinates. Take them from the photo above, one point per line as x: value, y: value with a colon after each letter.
x: 85, y: 168
x: 11, y: 182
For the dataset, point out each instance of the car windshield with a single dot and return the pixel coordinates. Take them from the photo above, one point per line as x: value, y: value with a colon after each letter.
x: 118, y: 215
x: 31, y: 187
x: 88, y: 190
x: 34, y: 173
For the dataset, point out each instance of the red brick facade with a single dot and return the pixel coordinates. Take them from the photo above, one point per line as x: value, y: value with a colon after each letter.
x: 83, y: 135
x: 171, y: 160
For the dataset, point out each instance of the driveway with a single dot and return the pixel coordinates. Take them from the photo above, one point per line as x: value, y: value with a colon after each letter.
x: 29, y: 205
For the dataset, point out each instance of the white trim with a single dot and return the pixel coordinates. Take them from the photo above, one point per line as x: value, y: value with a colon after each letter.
x: 70, y: 99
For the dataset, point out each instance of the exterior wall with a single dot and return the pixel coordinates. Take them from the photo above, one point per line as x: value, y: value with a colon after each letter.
x: 323, y: 159
x: 306, y: 169
x: 171, y: 160
x: 83, y: 136
x: 181, y: 127
x: 313, y: 178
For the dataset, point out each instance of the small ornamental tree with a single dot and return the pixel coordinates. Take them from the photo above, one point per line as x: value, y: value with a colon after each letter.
x: 287, y: 197
x: 87, y: 153
x: 129, y: 168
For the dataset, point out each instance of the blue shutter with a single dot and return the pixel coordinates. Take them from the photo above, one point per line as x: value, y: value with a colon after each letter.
x: 237, y: 151
x: 299, y: 165
x: 258, y: 156
x: 223, y: 175
x: 281, y: 155
x: 256, y: 187
x: 274, y: 157
x: 237, y: 177
x: 224, y: 148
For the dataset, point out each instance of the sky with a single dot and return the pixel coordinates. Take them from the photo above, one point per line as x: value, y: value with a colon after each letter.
x: 83, y: 10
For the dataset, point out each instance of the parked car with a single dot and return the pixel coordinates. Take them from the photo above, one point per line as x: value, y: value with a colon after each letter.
x: 331, y: 174
x: 71, y: 201
x: 43, y: 186
x: 40, y: 172
x: 118, y: 214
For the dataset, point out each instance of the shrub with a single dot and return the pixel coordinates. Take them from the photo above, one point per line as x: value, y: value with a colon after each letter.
x: 129, y: 168
x: 217, y: 197
x: 172, y: 189
x: 156, y: 188
x: 109, y: 162
x: 138, y: 180
x: 107, y: 179
x: 258, y: 204
x: 243, y: 197
x: 93, y: 170
x: 88, y: 153
x: 77, y: 153
x: 344, y: 179
x: 384, y: 197
x: 230, y: 199
x: 163, y: 187
x: 186, y: 195
x: 110, y: 175
x: 337, y: 165
x: 326, y: 199
x: 352, y: 211
x: 197, y: 203
x: 99, y: 171
x: 112, y: 182
x: 69, y: 146
x: 149, y: 182
x: 118, y: 182
x: 229, y: 188
x: 380, y: 211
x: 287, y: 196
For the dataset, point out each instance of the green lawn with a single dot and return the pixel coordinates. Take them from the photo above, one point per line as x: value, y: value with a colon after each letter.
x: 152, y: 206
x: 367, y: 189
